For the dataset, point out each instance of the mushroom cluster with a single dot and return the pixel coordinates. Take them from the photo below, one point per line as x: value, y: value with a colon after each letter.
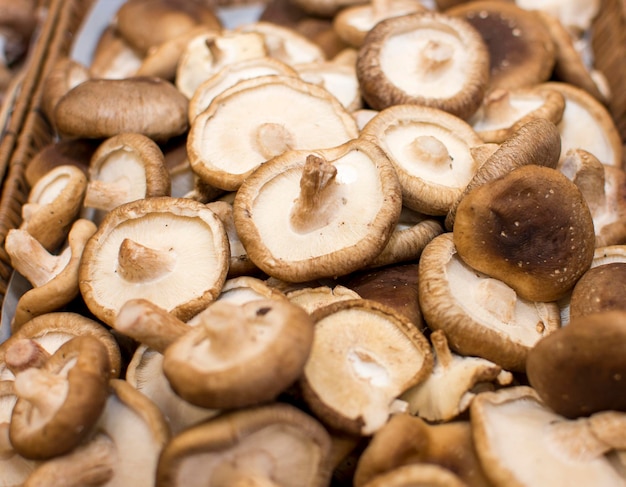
x: 371, y: 245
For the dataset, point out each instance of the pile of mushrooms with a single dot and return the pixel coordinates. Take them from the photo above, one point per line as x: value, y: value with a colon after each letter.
x: 377, y: 252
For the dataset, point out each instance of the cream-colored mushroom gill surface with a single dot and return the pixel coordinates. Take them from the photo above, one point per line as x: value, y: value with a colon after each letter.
x: 310, y: 270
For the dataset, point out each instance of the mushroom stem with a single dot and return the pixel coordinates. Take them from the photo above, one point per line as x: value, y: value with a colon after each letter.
x: 92, y: 464
x: 498, y: 107
x: 225, y: 327
x: 23, y: 354
x: 106, y: 195
x: 147, y: 323
x: 216, y: 52
x: 435, y: 55
x: 273, y: 139
x: 32, y: 260
x: 138, y: 263
x: 6, y: 449
x: 308, y: 210
x: 44, y: 390
x: 429, y: 149
x: 497, y: 298
x: 575, y: 439
x: 442, y: 350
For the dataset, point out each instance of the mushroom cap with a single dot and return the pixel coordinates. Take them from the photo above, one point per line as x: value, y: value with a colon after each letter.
x: 503, y: 112
x: 51, y: 330
x: 126, y: 167
x: 601, y: 288
x: 240, y: 355
x: 295, y: 227
x: 149, y: 106
x: 531, y: 229
x: 417, y: 474
x: 578, y: 370
x: 140, y: 251
x: 48, y: 421
x: 276, y: 441
x: 278, y: 110
x: 62, y: 77
x: 481, y: 316
x: 75, y: 152
x: 536, y: 142
x: 521, y: 51
x: 431, y: 152
x: 519, y: 442
x: 442, y: 48
x: 364, y: 356
x: 313, y: 298
x: 148, y: 23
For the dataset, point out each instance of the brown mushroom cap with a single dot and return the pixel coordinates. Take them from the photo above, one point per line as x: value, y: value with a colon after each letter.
x: 58, y: 404
x: 138, y: 252
x: 149, y: 106
x: 521, y: 51
x: 240, y: 355
x: 443, y: 49
x: 601, y: 288
x: 531, y: 229
x: 579, y: 369
x: 75, y: 152
x: 292, y: 213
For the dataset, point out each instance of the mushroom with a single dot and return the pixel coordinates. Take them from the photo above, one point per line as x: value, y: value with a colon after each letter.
x: 148, y: 23
x: 531, y: 229
x: 578, y: 370
x: 267, y: 446
x: 242, y: 289
x: 59, y: 403
x: 123, y: 450
x: 14, y: 467
x: 206, y: 54
x: 300, y: 216
x: 138, y: 251
x: 284, y: 44
x: 575, y: 16
x: 601, y: 288
x: 51, y: 330
x: 65, y: 74
x: 354, y: 22
x: 337, y: 78
x: 240, y: 355
x: 431, y: 151
x: 410, y: 441
x: 604, y: 189
x: 278, y: 110
x: 114, y: 57
x: 521, y: 442
x: 481, y: 316
x: 503, y: 111
x: 364, y: 356
x: 53, y: 204
x: 54, y: 277
x: 587, y: 124
x: 230, y: 75
x: 536, y: 142
x: 448, y: 391
x: 450, y: 67
x: 150, y: 106
x: 409, y: 475
x: 521, y: 50
x: 125, y: 168
x: 76, y: 152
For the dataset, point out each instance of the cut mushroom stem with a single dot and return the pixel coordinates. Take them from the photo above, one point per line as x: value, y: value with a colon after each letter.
x: 106, y: 195
x: 149, y: 324
x: 23, y: 354
x: 32, y: 260
x: 442, y: 350
x: 138, y: 263
x: 6, y: 449
x: 45, y: 390
x: 498, y: 107
x: 273, y: 139
x: 435, y: 56
x: 430, y: 149
x: 91, y: 464
x: 226, y: 330
x: 216, y: 52
x: 317, y: 177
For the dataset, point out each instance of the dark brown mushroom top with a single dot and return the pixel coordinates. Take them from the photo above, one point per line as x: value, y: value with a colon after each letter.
x: 531, y: 228
x: 601, y: 288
